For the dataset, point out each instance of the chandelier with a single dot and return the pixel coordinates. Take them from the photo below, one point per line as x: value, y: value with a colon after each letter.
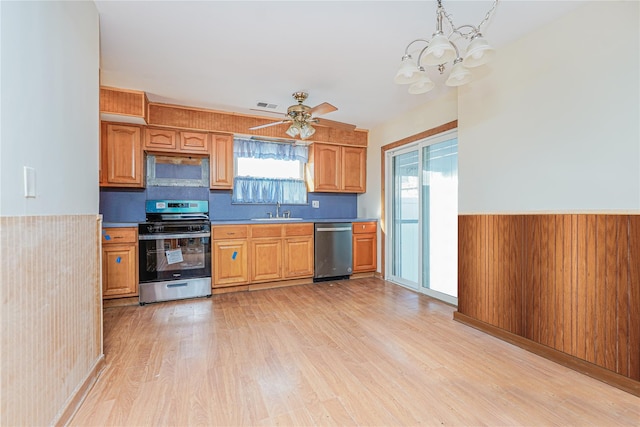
x: 441, y: 49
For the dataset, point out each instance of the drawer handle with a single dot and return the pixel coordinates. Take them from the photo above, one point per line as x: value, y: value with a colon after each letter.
x: 230, y: 234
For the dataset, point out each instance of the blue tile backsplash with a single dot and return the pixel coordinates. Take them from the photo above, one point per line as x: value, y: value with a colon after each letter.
x: 126, y: 205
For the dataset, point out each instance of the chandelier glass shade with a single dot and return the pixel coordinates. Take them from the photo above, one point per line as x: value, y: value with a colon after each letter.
x: 442, y: 49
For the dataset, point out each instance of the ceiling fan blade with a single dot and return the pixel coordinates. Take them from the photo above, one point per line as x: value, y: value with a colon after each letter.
x: 323, y: 108
x: 334, y: 124
x: 269, y: 124
x: 277, y: 113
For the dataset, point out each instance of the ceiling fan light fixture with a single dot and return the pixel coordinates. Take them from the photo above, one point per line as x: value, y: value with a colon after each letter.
x: 293, y: 130
x: 306, y: 131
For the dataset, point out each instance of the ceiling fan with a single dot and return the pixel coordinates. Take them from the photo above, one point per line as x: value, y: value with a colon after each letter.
x: 301, y: 117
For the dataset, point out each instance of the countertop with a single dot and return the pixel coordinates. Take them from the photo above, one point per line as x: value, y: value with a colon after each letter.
x: 249, y: 221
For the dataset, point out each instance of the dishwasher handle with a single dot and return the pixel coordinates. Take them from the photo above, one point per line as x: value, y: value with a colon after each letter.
x: 333, y: 229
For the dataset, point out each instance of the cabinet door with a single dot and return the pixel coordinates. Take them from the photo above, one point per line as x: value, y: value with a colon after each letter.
x: 119, y: 270
x: 298, y: 257
x: 266, y: 260
x: 326, y: 167
x: 164, y: 140
x: 230, y: 263
x: 364, y: 252
x: 122, y: 156
x: 194, y: 142
x: 221, y: 162
x: 354, y: 169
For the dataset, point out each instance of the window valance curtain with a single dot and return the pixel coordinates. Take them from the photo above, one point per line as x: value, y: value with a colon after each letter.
x: 252, y: 148
x: 269, y: 190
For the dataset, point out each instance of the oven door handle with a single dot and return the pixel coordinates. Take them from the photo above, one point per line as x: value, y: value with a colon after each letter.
x: 172, y: 236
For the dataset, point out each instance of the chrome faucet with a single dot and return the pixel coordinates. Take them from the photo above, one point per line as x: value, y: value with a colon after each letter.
x: 277, y: 209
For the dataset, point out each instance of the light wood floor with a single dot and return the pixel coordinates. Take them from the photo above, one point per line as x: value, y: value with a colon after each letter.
x: 359, y: 352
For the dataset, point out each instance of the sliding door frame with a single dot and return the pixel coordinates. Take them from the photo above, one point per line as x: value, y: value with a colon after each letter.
x: 383, y: 155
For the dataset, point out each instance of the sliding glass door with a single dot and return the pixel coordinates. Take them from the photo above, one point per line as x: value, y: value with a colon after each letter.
x: 423, y: 207
x: 439, y: 215
x: 405, y: 207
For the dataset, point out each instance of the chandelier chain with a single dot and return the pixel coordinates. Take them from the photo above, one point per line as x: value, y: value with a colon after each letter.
x: 469, y: 33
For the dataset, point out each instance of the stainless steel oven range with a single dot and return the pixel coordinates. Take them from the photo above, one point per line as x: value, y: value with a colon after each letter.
x: 175, y: 251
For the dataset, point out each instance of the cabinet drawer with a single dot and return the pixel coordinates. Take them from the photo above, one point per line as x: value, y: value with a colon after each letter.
x: 298, y: 229
x: 364, y: 227
x: 119, y: 235
x: 229, y: 232
x: 268, y: 230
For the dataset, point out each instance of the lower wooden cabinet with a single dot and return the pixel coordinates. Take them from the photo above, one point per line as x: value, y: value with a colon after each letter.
x: 246, y: 254
x: 119, y: 262
x: 230, y: 262
x: 298, y: 257
x: 230, y: 255
x: 365, y: 246
x: 266, y: 260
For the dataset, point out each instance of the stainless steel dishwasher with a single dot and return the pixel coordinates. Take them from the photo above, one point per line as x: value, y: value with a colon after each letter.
x: 332, y: 253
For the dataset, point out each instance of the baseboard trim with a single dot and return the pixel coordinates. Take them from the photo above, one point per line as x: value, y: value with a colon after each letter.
x: 78, y: 396
x: 587, y: 368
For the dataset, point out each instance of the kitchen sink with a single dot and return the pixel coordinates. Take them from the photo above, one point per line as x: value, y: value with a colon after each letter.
x: 276, y: 219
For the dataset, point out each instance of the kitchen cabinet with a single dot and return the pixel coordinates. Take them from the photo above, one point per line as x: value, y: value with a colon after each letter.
x: 221, y: 162
x: 258, y: 253
x: 119, y: 262
x: 230, y: 253
x: 298, y: 251
x: 193, y: 142
x: 266, y: 252
x: 337, y: 169
x: 365, y: 244
x: 353, y: 176
x: 160, y: 140
x: 121, y: 156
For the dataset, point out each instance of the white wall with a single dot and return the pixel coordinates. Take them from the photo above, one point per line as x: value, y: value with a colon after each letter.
x: 428, y: 116
x: 555, y: 126
x: 50, y: 107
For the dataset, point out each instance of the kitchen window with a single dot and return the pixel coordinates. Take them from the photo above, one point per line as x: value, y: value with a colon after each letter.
x: 269, y: 172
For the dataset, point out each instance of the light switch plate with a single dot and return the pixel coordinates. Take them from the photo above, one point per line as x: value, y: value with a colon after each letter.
x: 315, y: 203
x: 29, y: 182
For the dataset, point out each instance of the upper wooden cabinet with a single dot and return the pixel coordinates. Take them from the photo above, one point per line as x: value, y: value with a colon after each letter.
x: 336, y: 169
x: 162, y: 140
x: 221, y: 162
x: 121, y: 156
x: 354, y: 177
x: 194, y: 142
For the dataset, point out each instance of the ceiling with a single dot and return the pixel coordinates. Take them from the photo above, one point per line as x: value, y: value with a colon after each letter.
x: 229, y: 55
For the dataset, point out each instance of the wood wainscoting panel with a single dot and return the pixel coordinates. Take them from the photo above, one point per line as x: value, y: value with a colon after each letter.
x: 51, y: 312
x: 634, y: 297
x: 567, y: 281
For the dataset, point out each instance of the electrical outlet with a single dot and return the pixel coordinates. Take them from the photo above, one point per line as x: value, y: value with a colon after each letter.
x: 315, y: 203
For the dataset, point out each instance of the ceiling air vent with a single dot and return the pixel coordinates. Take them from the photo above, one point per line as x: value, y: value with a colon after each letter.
x: 261, y: 104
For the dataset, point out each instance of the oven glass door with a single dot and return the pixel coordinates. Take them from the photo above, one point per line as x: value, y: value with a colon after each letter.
x: 174, y: 258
